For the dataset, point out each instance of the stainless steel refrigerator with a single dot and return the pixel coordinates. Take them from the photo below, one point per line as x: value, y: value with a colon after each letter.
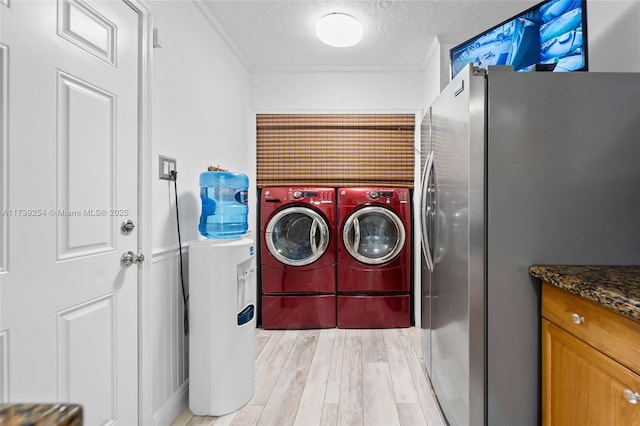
x: 520, y: 169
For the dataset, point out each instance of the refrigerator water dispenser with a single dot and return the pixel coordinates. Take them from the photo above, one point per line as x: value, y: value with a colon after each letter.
x: 222, y: 303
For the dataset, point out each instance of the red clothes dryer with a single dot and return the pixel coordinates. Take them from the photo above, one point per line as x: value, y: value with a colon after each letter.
x: 298, y: 257
x: 374, y: 258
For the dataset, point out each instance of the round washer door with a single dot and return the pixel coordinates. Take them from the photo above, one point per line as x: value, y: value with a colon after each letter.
x: 373, y: 235
x: 297, y: 236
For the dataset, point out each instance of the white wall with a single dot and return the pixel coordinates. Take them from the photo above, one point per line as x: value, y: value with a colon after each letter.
x: 200, y: 113
x: 200, y: 116
x: 613, y: 31
x: 432, y: 73
x: 337, y: 91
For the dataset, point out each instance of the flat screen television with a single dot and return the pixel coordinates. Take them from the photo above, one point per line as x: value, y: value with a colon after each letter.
x: 551, y: 35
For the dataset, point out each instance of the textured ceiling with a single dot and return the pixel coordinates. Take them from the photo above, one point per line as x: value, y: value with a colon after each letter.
x: 279, y: 35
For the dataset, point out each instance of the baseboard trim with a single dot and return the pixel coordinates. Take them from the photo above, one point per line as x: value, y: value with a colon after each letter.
x: 173, y: 407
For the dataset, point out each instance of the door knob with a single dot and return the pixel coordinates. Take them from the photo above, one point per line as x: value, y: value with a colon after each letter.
x: 130, y: 257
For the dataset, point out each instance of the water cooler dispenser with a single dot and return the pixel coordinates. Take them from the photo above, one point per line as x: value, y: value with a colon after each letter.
x: 222, y: 303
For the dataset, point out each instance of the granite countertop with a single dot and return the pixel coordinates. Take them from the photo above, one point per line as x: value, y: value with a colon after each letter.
x: 41, y: 415
x: 614, y: 287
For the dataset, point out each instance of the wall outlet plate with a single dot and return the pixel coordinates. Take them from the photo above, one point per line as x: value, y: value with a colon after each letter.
x: 165, y: 166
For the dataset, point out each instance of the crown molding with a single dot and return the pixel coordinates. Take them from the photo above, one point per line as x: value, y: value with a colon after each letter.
x: 215, y: 24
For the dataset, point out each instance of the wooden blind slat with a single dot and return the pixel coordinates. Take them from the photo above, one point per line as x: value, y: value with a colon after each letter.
x: 335, y: 149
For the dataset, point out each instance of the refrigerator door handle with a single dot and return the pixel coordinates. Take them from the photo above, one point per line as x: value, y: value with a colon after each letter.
x: 425, y: 214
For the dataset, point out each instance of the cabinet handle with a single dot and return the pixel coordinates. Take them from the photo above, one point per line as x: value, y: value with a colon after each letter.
x: 578, y: 319
x: 631, y: 396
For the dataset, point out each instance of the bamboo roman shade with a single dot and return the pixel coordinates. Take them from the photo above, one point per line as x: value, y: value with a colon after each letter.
x: 335, y: 149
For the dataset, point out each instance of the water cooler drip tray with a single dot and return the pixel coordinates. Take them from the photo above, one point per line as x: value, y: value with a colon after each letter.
x: 246, y: 315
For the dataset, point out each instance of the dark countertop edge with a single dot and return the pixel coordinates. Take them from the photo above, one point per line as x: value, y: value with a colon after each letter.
x: 54, y: 414
x: 614, y: 287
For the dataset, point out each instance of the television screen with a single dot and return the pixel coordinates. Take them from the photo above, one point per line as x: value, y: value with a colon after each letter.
x: 551, y: 35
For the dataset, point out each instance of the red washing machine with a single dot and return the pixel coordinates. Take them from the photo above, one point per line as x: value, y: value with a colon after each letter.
x: 298, y: 258
x: 374, y: 258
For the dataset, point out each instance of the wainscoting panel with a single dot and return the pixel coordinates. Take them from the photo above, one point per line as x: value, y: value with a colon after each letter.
x: 170, y: 345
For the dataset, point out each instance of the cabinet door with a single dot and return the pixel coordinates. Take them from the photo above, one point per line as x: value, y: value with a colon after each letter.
x: 581, y: 386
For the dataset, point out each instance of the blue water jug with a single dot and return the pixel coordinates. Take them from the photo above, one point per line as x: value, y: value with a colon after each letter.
x: 225, y: 207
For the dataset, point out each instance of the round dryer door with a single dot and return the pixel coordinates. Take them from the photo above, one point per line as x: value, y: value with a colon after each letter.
x: 297, y: 236
x: 373, y: 235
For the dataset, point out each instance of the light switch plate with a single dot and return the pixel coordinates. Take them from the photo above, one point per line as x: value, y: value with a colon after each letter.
x: 165, y: 166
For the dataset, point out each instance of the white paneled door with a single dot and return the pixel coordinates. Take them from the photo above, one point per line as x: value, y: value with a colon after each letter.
x: 68, y: 304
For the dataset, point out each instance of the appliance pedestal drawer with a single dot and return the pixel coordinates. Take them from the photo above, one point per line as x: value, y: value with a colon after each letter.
x: 355, y: 311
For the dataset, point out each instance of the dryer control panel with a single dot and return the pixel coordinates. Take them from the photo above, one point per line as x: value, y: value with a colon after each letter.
x: 386, y: 196
x: 311, y: 195
x: 381, y: 194
x: 301, y: 195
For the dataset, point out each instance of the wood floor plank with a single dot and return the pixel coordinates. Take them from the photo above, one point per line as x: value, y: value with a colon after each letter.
x: 268, y: 348
x: 329, y: 415
x: 202, y: 421
x: 403, y: 385
x: 283, y: 403
x: 332, y: 396
x: 378, y: 399
x: 225, y: 420
x: 415, y: 334
x: 373, y: 349
x: 411, y: 415
x: 424, y: 390
x: 272, y: 368
x: 351, y: 404
x: 324, y: 350
x: 248, y: 416
x: 258, y: 370
x: 266, y: 342
x: 312, y: 401
x: 412, y: 348
x: 261, y: 341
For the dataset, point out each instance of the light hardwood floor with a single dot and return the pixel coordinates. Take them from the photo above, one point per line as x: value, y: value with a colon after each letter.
x: 335, y: 377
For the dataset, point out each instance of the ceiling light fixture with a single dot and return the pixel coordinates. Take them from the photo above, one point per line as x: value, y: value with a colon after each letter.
x: 339, y: 30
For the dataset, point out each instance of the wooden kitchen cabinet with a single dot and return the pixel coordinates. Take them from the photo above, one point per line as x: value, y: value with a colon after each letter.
x: 590, y: 363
